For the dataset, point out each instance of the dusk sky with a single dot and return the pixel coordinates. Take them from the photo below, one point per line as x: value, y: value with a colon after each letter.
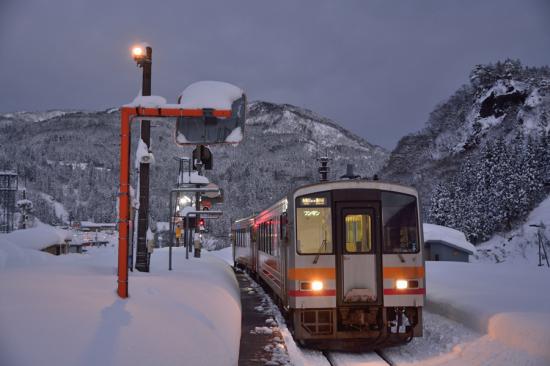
x: 376, y: 67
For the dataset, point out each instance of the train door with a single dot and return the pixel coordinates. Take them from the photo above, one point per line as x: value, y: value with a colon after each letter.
x: 357, y: 262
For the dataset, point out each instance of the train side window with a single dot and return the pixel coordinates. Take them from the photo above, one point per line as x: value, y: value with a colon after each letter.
x: 314, y: 230
x: 268, y: 236
x: 400, y: 223
x: 358, y: 233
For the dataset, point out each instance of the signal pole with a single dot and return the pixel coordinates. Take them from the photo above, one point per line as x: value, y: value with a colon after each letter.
x: 142, y: 258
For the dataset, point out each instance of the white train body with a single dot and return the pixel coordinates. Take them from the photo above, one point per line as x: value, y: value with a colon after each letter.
x: 344, y: 261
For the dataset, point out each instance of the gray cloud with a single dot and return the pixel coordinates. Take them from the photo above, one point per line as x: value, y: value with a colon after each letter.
x: 377, y: 67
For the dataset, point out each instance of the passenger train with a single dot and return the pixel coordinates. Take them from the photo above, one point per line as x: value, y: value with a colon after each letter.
x: 343, y: 260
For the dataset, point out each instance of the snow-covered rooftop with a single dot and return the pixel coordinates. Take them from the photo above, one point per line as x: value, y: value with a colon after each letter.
x: 451, y: 237
x: 39, y: 237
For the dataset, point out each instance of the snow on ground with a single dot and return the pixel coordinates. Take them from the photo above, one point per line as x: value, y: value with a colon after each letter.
x: 225, y: 254
x: 294, y: 354
x: 64, y: 310
x: 446, y: 342
x: 520, y: 246
x: 509, y: 303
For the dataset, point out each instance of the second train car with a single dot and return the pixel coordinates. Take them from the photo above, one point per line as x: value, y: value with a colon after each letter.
x: 343, y: 260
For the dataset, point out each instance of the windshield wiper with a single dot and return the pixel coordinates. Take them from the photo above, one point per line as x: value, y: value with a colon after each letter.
x: 321, y: 249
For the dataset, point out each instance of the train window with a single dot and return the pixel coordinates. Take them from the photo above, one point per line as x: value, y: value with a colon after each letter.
x: 314, y: 230
x: 358, y: 233
x: 400, y: 221
x: 269, y: 238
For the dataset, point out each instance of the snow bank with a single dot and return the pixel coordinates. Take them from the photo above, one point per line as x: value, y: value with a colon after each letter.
x: 450, y: 236
x: 39, y: 237
x: 66, y: 312
x: 210, y: 94
x: 502, y: 300
x: 533, y: 336
x: 519, y: 246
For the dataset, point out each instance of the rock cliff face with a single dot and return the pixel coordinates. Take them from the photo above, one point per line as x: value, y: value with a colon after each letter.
x: 483, y: 152
x: 73, y: 157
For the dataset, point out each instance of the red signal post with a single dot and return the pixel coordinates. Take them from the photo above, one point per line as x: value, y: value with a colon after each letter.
x: 127, y: 114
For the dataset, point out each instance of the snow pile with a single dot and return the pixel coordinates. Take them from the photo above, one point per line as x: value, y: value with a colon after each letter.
x: 65, y: 311
x: 39, y: 237
x: 502, y: 300
x: 519, y: 246
x: 210, y: 94
x: 150, y: 101
x: 447, y: 235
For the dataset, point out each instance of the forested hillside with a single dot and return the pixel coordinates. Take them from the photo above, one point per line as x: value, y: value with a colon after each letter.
x: 483, y: 158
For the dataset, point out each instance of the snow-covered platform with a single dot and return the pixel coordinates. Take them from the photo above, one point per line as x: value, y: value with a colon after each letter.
x: 65, y: 311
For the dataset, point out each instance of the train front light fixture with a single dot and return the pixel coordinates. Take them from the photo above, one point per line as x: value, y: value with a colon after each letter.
x: 317, y: 285
x: 402, y: 284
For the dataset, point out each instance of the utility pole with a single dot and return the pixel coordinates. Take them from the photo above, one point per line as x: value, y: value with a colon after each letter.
x: 142, y: 259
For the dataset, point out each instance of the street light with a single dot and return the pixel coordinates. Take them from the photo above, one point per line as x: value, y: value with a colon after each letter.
x: 143, y: 56
x: 137, y: 52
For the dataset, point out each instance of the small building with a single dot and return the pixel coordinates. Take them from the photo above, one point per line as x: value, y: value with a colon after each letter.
x: 442, y: 243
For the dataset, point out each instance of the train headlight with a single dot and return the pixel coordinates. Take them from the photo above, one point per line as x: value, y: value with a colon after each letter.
x: 401, y: 284
x: 317, y: 285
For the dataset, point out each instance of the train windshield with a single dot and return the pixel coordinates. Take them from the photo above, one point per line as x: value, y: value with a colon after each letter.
x: 358, y: 233
x: 314, y: 230
x: 400, y: 220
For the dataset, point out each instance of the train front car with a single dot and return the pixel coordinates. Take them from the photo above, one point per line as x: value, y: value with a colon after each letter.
x: 356, y: 272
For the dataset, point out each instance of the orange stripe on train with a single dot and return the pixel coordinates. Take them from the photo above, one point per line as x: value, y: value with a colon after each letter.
x: 310, y: 274
x: 403, y: 272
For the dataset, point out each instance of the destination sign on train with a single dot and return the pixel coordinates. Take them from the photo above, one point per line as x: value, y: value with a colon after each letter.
x: 314, y: 201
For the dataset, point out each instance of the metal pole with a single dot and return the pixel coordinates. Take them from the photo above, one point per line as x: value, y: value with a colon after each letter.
x: 171, y: 218
x: 124, y: 204
x: 142, y: 258
x: 186, y: 238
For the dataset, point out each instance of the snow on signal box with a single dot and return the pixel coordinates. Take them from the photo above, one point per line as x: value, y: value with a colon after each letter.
x: 207, y: 113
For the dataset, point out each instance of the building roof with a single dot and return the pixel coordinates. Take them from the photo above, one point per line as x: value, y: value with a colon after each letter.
x: 448, y: 236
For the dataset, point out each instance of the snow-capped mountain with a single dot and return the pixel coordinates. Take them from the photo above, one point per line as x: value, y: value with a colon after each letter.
x: 73, y: 159
x: 482, y: 159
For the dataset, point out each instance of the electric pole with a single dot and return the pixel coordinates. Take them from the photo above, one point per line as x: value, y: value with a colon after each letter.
x: 142, y: 259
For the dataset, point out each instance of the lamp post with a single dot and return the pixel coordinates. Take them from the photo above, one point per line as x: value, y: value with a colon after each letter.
x: 143, y: 57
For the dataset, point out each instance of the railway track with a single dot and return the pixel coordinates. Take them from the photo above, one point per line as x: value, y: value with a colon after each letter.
x: 377, y: 358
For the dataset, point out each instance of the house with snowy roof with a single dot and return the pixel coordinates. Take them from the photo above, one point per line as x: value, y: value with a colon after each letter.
x: 442, y: 243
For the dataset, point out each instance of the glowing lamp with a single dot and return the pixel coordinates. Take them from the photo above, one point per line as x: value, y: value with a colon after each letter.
x: 138, y: 52
x: 401, y: 284
x: 317, y: 285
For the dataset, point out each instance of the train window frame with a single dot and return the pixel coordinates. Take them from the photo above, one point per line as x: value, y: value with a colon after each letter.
x: 323, y: 201
x: 384, y: 206
x: 371, y: 231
